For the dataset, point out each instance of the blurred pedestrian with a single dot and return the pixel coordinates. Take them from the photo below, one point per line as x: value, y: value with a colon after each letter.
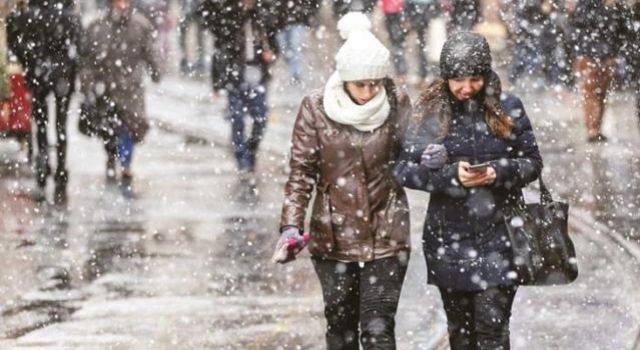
x: 463, y: 14
x: 559, y: 45
x: 402, y: 16
x: 396, y: 24
x: 243, y: 51
x: 601, y: 29
x: 295, y: 17
x: 531, y: 17
x: 345, y: 141
x: 465, y: 235
x: 420, y: 14
x: 540, y: 36
x: 118, y: 48
x: 190, y: 19
x: 45, y: 38
x: 157, y: 12
x: 342, y: 7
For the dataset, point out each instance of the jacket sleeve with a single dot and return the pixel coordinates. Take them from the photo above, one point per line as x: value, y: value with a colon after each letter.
x: 149, y: 53
x: 525, y: 164
x: 87, y: 62
x: 408, y: 171
x: 304, y: 167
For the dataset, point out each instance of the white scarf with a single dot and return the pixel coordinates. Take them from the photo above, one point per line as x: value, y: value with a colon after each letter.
x: 341, y: 108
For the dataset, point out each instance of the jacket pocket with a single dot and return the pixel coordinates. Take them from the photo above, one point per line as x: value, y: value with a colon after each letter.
x: 393, y: 222
x: 322, y: 240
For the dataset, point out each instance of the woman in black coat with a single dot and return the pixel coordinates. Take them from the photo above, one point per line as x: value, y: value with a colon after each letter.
x: 465, y: 237
x: 45, y: 38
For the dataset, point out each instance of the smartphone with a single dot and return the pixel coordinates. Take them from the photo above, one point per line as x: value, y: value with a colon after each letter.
x: 479, y: 168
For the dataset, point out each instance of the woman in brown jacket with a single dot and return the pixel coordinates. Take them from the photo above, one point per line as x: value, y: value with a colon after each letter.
x: 345, y: 142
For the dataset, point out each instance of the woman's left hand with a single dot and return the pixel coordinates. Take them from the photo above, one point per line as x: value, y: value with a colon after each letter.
x: 470, y: 178
x: 268, y: 56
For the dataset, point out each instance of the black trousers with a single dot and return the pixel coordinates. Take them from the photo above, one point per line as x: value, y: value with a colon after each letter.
x: 366, y: 296
x: 397, y: 35
x: 40, y: 112
x: 479, y: 320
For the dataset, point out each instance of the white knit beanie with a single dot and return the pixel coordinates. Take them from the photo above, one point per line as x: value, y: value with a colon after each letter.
x: 362, y: 56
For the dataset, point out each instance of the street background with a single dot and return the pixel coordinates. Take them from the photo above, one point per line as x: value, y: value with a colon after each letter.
x: 186, y: 264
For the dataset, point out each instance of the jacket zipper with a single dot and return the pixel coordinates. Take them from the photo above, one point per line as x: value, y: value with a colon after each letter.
x: 473, y: 136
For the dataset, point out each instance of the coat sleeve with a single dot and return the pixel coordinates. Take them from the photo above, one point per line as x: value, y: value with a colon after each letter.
x: 87, y: 62
x: 304, y: 167
x: 525, y: 164
x: 149, y: 53
x: 408, y: 171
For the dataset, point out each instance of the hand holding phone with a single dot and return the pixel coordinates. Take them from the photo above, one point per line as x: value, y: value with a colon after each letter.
x: 479, y: 168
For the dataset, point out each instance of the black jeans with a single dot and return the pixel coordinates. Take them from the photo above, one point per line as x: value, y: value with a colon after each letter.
x: 41, y: 117
x: 366, y: 296
x: 479, y: 320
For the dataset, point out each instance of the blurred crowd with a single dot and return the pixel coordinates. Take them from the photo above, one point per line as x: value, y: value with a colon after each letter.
x: 586, y: 45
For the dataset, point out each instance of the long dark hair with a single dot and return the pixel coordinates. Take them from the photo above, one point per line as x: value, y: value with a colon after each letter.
x: 436, y: 101
x: 392, y: 92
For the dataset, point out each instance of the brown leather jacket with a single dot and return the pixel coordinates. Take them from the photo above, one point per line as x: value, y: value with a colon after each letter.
x: 360, y: 213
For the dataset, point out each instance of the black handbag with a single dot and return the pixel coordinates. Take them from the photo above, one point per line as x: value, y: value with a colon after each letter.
x: 543, y: 253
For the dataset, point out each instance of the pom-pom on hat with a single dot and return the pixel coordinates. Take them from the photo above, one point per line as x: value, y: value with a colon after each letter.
x: 464, y: 54
x: 362, y: 56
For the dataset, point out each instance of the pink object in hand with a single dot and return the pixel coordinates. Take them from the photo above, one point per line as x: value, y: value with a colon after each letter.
x: 286, y: 251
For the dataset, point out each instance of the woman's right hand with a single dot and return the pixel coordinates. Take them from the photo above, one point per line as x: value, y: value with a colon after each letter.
x: 470, y: 178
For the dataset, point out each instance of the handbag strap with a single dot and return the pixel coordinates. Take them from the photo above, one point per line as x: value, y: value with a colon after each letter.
x: 545, y: 195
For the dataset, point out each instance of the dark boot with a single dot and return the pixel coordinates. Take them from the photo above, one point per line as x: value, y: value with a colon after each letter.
x: 43, y: 170
x: 111, y: 171
x: 39, y: 195
x: 60, y: 193
x: 126, y: 185
x: 252, y: 150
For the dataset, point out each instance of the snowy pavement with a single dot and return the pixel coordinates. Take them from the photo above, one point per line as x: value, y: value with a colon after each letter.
x: 186, y: 265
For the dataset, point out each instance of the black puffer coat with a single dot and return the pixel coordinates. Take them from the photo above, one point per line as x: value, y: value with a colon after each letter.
x: 45, y: 38
x: 464, y: 232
